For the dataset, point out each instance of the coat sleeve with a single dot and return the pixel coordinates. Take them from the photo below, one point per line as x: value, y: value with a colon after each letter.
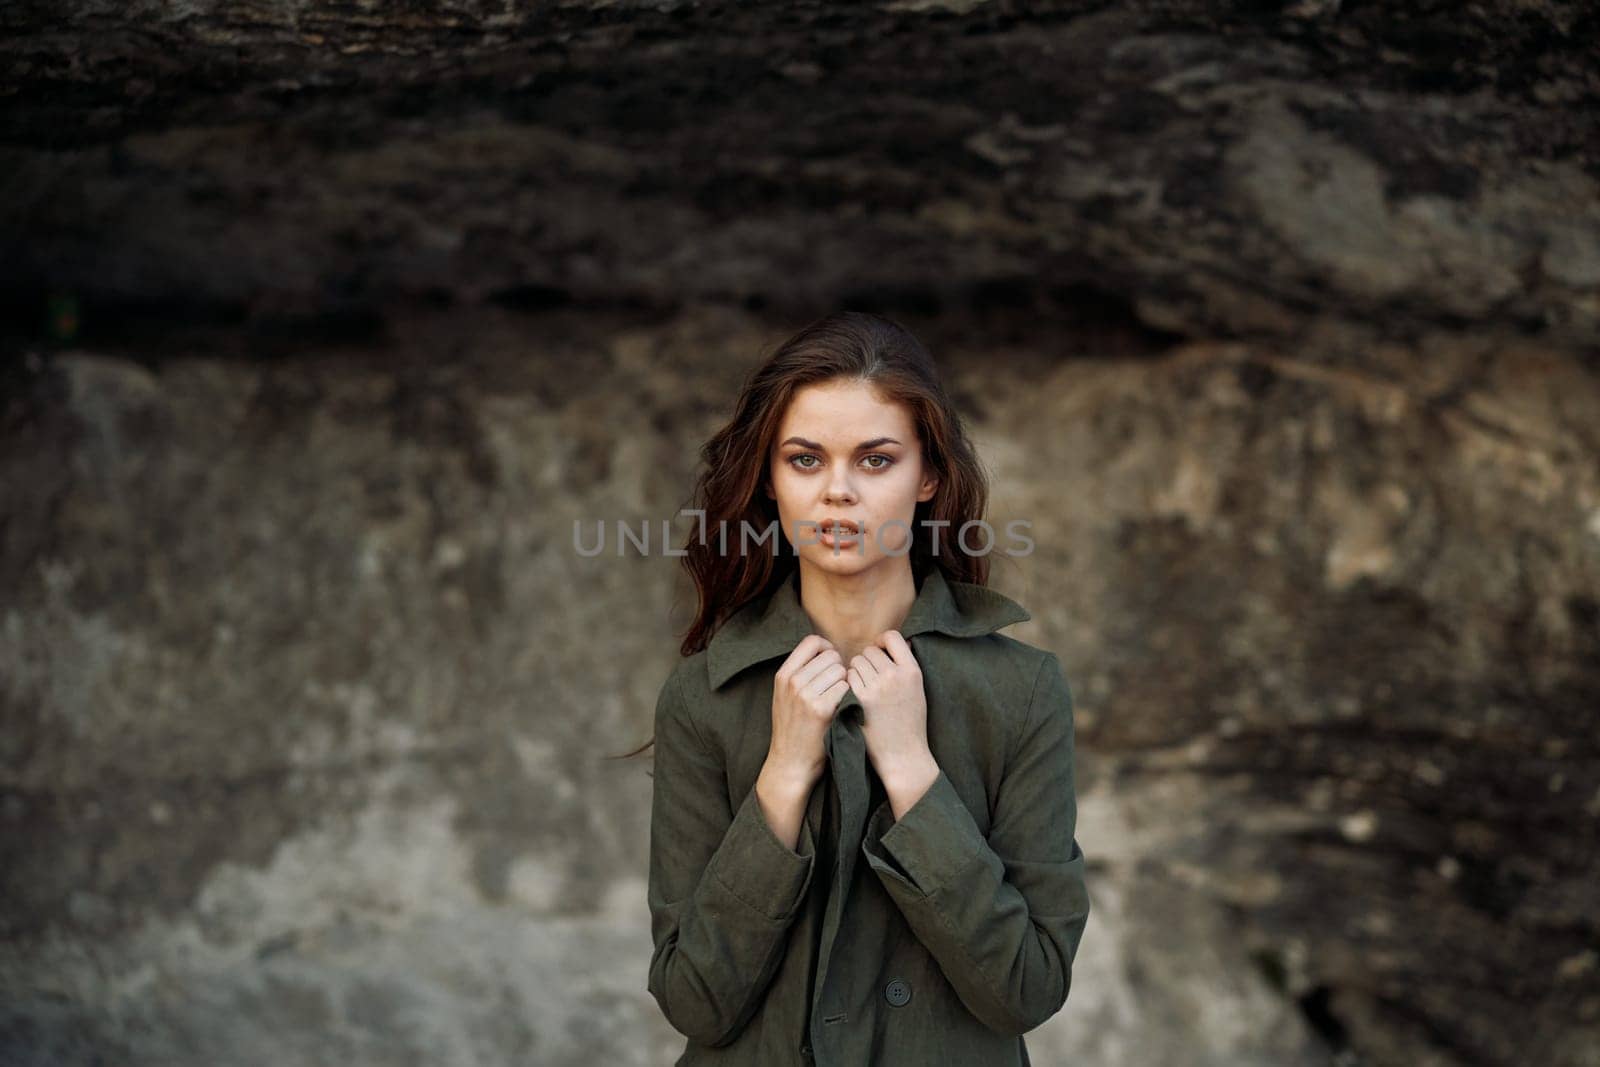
x: 723, y: 889
x: 1003, y: 915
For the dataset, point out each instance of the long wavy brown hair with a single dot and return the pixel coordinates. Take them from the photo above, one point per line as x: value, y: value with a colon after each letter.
x: 735, y: 464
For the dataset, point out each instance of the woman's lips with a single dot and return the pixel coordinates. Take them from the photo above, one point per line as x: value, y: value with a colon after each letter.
x: 838, y: 532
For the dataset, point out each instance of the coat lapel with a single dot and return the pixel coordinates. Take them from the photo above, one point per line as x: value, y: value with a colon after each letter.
x: 771, y: 626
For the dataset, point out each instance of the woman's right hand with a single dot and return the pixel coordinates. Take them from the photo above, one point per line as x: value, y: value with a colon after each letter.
x: 805, y: 693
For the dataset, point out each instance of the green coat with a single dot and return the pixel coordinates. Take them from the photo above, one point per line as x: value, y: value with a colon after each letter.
x: 937, y: 939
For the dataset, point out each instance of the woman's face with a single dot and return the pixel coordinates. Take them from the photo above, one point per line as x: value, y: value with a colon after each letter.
x: 843, y: 453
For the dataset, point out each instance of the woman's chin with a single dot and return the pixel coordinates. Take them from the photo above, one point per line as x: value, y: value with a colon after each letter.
x: 844, y: 560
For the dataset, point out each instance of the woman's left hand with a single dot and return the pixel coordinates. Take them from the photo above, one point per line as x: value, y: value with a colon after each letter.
x: 887, y: 679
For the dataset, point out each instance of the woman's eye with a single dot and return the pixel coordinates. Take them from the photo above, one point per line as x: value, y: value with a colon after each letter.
x: 807, y: 462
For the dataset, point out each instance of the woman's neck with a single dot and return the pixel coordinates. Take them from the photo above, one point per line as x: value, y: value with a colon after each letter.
x: 851, y: 610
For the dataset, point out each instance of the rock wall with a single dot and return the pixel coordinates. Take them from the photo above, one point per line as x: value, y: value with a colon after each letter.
x: 325, y: 322
x: 1235, y: 167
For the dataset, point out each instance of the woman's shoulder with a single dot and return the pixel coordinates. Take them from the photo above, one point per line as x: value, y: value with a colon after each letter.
x: 992, y: 652
x: 1020, y: 677
x: 689, y: 704
x: 1041, y: 679
x: 688, y: 687
x: 688, y: 678
x: 1029, y: 656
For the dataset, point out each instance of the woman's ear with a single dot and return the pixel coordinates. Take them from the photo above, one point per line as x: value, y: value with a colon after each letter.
x: 930, y: 485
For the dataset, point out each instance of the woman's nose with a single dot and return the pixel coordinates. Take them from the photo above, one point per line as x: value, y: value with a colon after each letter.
x: 839, y: 493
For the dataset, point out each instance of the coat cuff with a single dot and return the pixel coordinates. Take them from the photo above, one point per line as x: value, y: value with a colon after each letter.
x: 929, y: 845
x: 760, y: 871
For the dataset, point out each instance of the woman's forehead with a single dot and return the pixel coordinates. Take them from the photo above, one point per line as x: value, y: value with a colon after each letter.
x: 840, y: 410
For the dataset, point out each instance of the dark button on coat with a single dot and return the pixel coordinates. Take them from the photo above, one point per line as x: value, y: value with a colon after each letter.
x: 938, y: 939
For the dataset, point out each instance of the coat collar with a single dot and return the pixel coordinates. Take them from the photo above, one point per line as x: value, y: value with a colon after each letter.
x: 771, y: 626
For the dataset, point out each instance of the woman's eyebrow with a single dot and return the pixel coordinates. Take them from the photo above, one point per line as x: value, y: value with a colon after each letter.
x: 864, y: 445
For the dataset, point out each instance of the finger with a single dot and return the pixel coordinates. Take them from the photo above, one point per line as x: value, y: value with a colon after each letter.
x: 825, y: 679
x: 807, y: 673
x: 853, y: 676
x: 835, y: 692
x: 809, y: 646
x: 899, y: 651
x: 878, y: 658
x: 864, y: 667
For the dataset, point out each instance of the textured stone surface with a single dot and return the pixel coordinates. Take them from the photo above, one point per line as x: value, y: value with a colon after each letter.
x: 1221, y: 166
x: 307, y: 688
x: 1278, y: 323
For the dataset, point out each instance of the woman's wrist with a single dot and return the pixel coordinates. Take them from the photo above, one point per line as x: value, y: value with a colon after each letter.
x: 906, y: 782
x: 782, y: 796
x: 780, y: 783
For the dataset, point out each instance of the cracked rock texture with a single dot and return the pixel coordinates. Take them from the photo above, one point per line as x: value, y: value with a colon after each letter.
x: 324, y: 322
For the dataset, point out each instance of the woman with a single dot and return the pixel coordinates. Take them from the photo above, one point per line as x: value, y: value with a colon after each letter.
x: 862, y: 829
